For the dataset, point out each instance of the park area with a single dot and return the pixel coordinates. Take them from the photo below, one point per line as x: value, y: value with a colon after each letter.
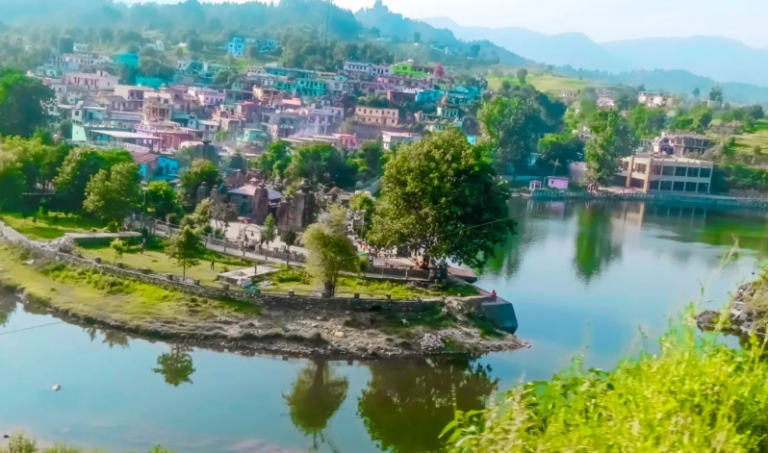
x: 281, y: 280
x: 39, y: 227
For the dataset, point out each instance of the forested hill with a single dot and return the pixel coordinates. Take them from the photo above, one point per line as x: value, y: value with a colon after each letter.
x: 404, y: 37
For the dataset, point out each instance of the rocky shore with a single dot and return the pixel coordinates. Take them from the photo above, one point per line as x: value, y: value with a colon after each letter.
x: 337, y: 335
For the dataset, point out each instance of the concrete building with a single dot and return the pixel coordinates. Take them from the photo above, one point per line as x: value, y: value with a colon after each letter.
x: 678, y: 144
x: 99, y: 81
x: 656, y: 100
x: 377, y: 116
x: 665, y: 173
x: 390, y: 140
x: 236, y: 47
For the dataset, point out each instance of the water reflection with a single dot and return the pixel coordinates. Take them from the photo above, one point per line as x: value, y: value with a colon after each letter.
x: 595, y: 246
x: 112, y: 338
x: 7, y: 307
x: 176, y: 366
x: 315, y: 397
x: 407, y: 405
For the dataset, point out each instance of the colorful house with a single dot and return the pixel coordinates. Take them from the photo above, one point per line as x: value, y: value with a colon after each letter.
x: 128, y: 59
x: 413, y: 70
x: 156, y: 167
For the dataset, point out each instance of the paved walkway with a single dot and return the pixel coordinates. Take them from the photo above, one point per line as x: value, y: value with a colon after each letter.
x: 122, y: 235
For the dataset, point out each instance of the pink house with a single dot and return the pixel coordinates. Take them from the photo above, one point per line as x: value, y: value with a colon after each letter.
x: 556, y: 182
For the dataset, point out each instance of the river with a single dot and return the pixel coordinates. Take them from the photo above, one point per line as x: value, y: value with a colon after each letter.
x: 585, y: 278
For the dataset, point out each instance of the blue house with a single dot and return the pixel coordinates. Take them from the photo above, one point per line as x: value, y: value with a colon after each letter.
x: 156, y: 167
x: 129, y: 59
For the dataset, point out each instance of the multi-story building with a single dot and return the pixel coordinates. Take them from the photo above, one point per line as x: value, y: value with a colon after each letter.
x: 377, y: 116
x: 100, y: 81
x: 413, y: 70
x: 236, y: 47
x: 660, y: 172
x: 656, y: 100
x: 681, y: 143
x: 268, y: 96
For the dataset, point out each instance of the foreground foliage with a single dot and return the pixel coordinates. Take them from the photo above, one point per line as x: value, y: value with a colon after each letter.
x: 20, y: 443
x: 694, y: 396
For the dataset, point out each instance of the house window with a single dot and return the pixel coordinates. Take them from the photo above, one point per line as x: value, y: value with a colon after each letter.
x: 705, y: 173
x: 681, y: 171
x: 690, y: 187
x: 703, y: 187
x: 693, y: 172
x: 678, y: 186
x: 654, y: 185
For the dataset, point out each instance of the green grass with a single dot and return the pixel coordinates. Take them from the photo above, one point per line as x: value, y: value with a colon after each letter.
x: 45, y: 228
x: 696, y: 395
x: 748, y: 140
x: 546, y: 83
x: 89, y: 293
x: 158, y: 262
x: 300, y: 282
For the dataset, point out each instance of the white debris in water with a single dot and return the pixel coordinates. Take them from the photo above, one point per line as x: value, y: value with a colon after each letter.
x: 339, y: 334
x: 56, y: 388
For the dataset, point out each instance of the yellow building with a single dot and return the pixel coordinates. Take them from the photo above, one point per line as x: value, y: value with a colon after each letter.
x: 377, y: 116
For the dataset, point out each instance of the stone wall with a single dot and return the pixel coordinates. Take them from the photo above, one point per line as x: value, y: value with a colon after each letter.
x: 286, y: 302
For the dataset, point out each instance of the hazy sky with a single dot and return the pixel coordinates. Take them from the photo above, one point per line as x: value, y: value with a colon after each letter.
x: 602, y: 20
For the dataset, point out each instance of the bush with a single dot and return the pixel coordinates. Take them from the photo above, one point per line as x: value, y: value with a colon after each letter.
x: 113, y: 227
x: 697, y: 395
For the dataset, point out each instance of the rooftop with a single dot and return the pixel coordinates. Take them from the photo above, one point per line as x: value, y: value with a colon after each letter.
x: 124, y: 134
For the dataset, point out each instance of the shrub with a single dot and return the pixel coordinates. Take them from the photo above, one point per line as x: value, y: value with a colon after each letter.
x: 697, y: 395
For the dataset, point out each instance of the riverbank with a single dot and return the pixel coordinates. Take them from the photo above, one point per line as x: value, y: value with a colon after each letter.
x: 693, y: 199
x: 91, y: 297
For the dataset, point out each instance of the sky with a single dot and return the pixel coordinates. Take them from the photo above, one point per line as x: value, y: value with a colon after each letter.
x: 601, y: 20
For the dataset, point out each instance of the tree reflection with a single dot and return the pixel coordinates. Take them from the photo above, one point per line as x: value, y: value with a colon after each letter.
x: 315, y: 397
x: 595, y: 248
x: 176, y: 366
x: 114, y: 338
x: 7, y: 307
x: 406, y: 406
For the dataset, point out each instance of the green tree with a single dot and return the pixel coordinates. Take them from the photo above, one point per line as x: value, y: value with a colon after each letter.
x: 22, y: 103
x: 202, y: 171
x: 111, y: 194
x: 161, y: 199
x: 716, y: 94
x: 269, y: 232
x: 557, y: 151
x: 185, y: 247
x: 316, y: 395
x: 77, y: 169
x: 289, y: 238
x: 66, y: 44
x: 119, y: 248
x: 368, y: 161
x: 364, y: 208
x: 522, y: 74
x: 176, y: 367
x: 696, y: 93
x: 223, y: 214
x: 612, y: 138
x: 441, y: 196
x: 647, y: 122
x: 514, y: 123
x: 12, y: 181
x: 330, y: 250
x: 321, y: 163
x: 274, y: 162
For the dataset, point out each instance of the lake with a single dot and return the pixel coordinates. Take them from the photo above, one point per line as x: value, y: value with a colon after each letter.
x: 586, y: 278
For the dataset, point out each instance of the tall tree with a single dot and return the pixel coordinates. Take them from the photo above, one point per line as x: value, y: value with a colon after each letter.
x: 185, y: 247
x: 111, y: 194
x: 716, y: 94
x: 612, y: 138
x: 22, y: 103
x: 161, y: 199
x: 330, y: 250
x: 557, y: 151
x: 12, y: 181
x: 202, y: 171
x: 522, y: 75
x: 514, y: 123
x: 269, y: 232
x: 441, y: 196
x: 79, y: 166
x: 321, y: 163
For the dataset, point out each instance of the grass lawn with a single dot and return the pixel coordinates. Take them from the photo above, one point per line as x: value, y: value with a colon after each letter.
x: 85, y: 292
x: 746, y: 142
x: 50, y: 227
x: 157, y: 261
x: 546, y: 83
x: 298, y: 280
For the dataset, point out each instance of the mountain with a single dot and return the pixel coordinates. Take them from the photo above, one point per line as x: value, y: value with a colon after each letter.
x: 396, y: 26
x: 566, y: 49
x: 725, y: 60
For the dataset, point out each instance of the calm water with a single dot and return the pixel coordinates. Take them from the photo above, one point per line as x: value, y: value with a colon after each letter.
x: 585, y: 279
